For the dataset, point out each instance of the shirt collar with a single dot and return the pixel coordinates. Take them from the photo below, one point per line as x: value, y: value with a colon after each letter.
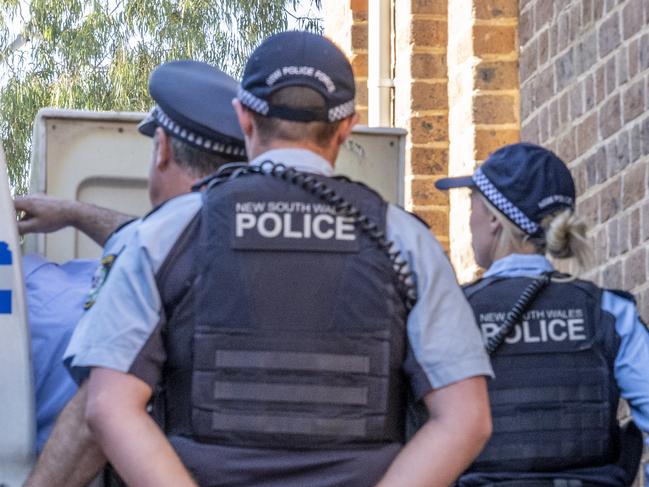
x: 32, y: 262
x: 300, y: 159
x: 515, y: 265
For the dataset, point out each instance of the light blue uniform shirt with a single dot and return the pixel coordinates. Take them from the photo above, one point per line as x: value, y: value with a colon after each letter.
x: 127, y: 307
x: 441, y: 327
x: 56, y: 295
x: 121, y: 332
x: 632, y: 361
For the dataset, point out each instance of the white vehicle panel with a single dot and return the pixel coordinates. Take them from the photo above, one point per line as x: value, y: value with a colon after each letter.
x: 17, y: 419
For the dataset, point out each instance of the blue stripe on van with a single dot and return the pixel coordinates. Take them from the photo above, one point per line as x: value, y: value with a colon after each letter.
x: 5, y: 254
x: 5, y: 302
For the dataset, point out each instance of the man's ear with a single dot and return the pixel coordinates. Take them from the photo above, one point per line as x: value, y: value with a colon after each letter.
x: 244, y: 116
x: 163, y: 148
x: 345, y: 128
x: 495, y: 226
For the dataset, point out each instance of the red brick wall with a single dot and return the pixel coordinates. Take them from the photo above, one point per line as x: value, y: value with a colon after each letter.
x: 421, y: 105
x: 420, y: 93
x: 483, y: 102
x: 584, y: 73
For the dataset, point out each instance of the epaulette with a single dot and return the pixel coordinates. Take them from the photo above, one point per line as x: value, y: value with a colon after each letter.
x: 154, y: 210
x: 473, y: 287
x: 418, y: 218
x: 120, y: 227
x: 623, y: 294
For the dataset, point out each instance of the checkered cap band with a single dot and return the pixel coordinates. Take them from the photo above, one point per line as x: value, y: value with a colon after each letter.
x: 260, y: 106
x: 503, y: 204
x: 342, y: 111
x: 198, y: 140
x: 251, y: 101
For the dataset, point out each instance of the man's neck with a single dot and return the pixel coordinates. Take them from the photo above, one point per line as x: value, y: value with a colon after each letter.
x: 329, y: 154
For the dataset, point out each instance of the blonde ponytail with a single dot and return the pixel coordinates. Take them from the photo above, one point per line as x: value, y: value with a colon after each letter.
x: 565, y: 236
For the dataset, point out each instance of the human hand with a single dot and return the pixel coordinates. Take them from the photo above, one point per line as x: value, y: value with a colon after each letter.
x: 43, y: 214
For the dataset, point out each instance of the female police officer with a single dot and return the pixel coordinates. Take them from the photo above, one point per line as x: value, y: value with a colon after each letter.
x: 563, y: 349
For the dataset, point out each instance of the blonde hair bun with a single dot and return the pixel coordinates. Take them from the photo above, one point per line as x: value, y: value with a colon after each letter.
x: 565, y: 236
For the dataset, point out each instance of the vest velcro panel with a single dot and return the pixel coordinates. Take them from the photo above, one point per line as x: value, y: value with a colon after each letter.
x: 324, y: 393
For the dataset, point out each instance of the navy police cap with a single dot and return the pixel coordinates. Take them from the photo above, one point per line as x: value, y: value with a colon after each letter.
x: 194, y: 104
x: 297, y: 58
x: 523, y: 181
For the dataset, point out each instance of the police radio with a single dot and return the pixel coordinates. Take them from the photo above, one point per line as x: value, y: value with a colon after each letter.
x: 514, y: 316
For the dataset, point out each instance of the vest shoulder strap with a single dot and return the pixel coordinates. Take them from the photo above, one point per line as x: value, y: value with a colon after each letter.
x: 476, y: 286
x: 623, y: 294
x: 174, y: 278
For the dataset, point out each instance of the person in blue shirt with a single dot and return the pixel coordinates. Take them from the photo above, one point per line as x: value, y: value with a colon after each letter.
x: 55, y: 299
x: 563, y: 349
x: 194, y: 131
x: 58, y: 294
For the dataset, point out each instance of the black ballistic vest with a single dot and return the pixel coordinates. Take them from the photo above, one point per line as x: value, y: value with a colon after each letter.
x: 285, y: 327
x: 554, y: 398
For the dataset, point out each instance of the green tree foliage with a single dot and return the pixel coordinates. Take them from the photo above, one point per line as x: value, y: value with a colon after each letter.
x: 97, y: 54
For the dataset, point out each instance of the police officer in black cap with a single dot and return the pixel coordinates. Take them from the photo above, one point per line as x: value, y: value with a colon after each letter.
x: 291, y: 316
x: 195, y: 131
x: 284, y: 314
x: 563, y: 349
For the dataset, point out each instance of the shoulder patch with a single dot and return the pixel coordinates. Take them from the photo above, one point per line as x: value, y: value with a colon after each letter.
x: 99, y: 279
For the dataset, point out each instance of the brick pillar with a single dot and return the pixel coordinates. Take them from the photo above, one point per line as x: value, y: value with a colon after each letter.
x: 483, y: 99
x: 420, y: 95
x: 346, y: 24
x: 421, y: 105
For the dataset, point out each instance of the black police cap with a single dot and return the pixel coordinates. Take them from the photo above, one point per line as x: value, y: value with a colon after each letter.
x: 525, y: 182
x: 194, y: 104
x: 297, y: 58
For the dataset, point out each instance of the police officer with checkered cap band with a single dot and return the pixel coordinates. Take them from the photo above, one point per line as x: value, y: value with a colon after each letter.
x: 195, y: 131
x: 192, y: 106
x: 292, y: 313
x: 563, y: 349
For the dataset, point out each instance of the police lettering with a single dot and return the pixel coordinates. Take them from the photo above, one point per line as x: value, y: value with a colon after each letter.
x: 309, y: 71
x: 541, y: 331
x: 322, y: 226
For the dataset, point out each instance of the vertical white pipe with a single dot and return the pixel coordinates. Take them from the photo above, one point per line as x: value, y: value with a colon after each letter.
x: 379, y: 81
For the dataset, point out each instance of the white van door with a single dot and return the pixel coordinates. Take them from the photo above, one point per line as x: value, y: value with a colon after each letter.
x: 101, y: 158
x: 17, y: 417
